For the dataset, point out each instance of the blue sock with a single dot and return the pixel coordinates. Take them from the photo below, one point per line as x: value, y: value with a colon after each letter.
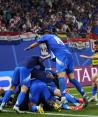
x: 78, y: 86
x: 7, y: 96
x: 70, y: 98
x: 62, y: 84
x: 33, y: 108
x: 65, y: 106
x: 20, y: 98
x: 94, y: 91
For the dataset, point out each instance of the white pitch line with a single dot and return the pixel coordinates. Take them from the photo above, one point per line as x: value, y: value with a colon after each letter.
x: 53, y: 114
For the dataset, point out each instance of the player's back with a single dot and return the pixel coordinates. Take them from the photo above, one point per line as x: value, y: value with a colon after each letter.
x: 41, y: 75
x: 54, y: 44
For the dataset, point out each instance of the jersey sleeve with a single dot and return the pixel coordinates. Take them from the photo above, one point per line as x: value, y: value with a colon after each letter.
x: 42, y: 39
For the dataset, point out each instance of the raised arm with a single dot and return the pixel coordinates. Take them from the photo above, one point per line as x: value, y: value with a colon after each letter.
x: 32, y: 46
x: 89, y: 57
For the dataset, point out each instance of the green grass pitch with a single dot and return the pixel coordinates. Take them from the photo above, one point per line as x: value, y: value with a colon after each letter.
x: 90, y: 111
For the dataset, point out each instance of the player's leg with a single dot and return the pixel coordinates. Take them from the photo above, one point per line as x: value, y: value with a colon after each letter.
x: 71, y: 99
x: 60, y: 69
x: 34, y: 100
x: 63, y: 87
x: 57, y: 92
x: 53, y: 89
x: 14, y: 83
x: 66, y: 64
x: 71, y: 76
x: 25, y: 84
x: 45, y: 92
x: 72, y: 79
x: 54, y: 92
x: 68, y: 98
x: 24, y: 73
x: 79, y: 87
x: 96, y: 99
x: 7, y: 97
x: 20, y: 98
x: 62, y: 81
x: 94, y: 88
x: 34, y: 96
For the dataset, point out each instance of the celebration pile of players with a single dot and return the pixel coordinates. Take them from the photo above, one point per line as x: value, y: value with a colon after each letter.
x: 37, y: 88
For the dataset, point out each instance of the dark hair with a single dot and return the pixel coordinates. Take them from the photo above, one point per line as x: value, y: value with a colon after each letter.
x: 34, y: 61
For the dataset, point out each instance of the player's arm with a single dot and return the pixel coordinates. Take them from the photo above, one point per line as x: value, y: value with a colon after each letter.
x: 89, y: 57
x: 32, y: 46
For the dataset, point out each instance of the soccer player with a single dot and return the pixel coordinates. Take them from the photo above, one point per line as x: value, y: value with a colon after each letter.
x: 47, y: 78
x: 34, y: 64
x: 39, y: 89
x: 64, y: 61
x: 50, y: 77
x: 20, y: 73
x: 95, y: 77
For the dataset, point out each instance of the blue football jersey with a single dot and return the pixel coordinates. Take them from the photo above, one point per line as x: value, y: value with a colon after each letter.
x: 57, y: 49
x: 54, y: 44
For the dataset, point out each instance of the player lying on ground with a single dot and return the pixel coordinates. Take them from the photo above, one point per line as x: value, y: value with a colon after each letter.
x: 37, y: 90
x: 50, y: 78
x: 64, y: 62
x: 20, y: 73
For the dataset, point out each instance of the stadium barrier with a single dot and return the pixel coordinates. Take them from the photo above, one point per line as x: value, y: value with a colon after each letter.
x: 10, y: 36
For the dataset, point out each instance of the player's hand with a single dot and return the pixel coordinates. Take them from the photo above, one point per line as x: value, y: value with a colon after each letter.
x: 49, y: 75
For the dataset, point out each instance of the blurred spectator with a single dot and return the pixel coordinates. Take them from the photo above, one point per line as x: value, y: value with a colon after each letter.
x: 67, y: 16
x: 95, y: 27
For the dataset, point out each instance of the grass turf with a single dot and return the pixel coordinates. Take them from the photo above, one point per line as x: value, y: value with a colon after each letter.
x: 90, y: 111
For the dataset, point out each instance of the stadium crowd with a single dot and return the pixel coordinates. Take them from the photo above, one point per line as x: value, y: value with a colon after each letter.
x: 74, y: 17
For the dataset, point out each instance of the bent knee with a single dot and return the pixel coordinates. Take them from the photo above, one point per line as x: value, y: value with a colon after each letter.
x: 24, y: 89
x: 57, y: 92
x: 61, y: 74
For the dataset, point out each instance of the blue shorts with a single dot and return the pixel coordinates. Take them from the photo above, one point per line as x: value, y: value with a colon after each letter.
x: 65, y: 63
x: 38, y: 89
x: 19, y: 75
x: 51, y: 87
